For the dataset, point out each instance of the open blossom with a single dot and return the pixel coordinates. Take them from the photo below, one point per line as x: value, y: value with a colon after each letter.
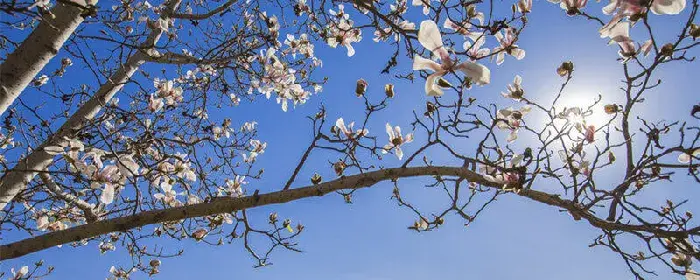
x: 20, y: 273
x: 507, y: 39
x: 343, y: 33
x: 685, y: 157
x: 429, y: 36
x: 632, y: 7
x: 619, y: 33
x: 515, y: 90
x: 497, y: 175
x: 168, y: 91
x: 256, y: 148
x: 525, y: 6
x: 168, y: 196
x: 384, y: 33
x: 347, y: 130
x: 576, y: 116
x: 509, y: 119
x: 235, y: 186
x: 155, y: 104
x: 475, y: 50
x: 396, y: 140
x: 572, y: 7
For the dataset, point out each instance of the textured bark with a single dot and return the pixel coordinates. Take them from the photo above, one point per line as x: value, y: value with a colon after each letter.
x: 229, y: 204
x: 224, y: 205
x: 19, y: 176
x: 22, y: 65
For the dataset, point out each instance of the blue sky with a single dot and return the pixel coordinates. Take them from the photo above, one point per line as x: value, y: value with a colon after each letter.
x: 514, y: 239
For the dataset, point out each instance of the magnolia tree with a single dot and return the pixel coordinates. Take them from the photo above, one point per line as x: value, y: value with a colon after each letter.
x: 129, y: 154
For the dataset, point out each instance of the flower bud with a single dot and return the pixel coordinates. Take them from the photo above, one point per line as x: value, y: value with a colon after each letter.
x: 316, y: 179
x: 389, y: 90
x: 339, y: 167
x: 694, y: 31
x: 611, y: 108
x: 681, y: 260
x: 273, y: 217
x: 429, y: 108
x: 361, y: 87
x: 199, y: 234
x: 667, y: 49
x: 154, y: 263
x: 347, y: 198
x: 565, y: 69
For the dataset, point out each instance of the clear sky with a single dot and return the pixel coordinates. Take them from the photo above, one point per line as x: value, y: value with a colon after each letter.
x: 368, y: 239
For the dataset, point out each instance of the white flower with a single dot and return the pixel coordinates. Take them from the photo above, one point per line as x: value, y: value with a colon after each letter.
x: 41, y: 80
x: 474, y: 51
x: 509, y: 119
x: 429, y: 36
x: 347, y: 131
x: 507, y: 46
x: 168, y: 195
x: 396, y: 140
x: 685, y: 158
x: 235, y: 187
x: 515, y: 90
x: 107, y: 196
x: 21, y: 273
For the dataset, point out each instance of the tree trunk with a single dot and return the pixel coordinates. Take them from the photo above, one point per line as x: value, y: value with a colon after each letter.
x: 22, y: 65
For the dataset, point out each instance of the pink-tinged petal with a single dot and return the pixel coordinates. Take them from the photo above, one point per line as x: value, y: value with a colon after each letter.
x: 500, y: 57
x: 107, y: 196
x: 646, y: 47
x: 517, y: 80
x: 429, y: 35
x: 408, y: 138
x: 351, y: 52
x: 421, y: 63
x: 610, y: 8
x: 397, y: 131
x: 667, y: 7
x: 619, y: 32
x: 431, y: 89
x: 390, y: 131
x: 518, y: 53
x: 399, y: 153
x: 477, y: 72
x: 512, y: 136
x: 684, y: 158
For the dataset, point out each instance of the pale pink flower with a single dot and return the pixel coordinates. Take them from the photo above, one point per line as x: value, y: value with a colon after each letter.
x: 515, y: 90
x: 396, y: 140
x: 347, y: 130
x: 507, y: 40
x: 429, y: 36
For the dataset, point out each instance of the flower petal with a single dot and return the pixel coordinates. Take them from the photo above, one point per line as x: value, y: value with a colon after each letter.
x: 431, y: 89
x: 421, y: 63
x: 429, y: 35
x: 477, y: 72
x: 667, y: 7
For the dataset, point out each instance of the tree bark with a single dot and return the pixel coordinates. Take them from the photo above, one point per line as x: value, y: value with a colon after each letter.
x: 22, y: 65
x: 230, y: 204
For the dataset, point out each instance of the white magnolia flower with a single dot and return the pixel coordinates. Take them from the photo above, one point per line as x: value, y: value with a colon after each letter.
x: 235, y: 186
x: 493, y: 174
x: 347, y: 130
x: 509, y: 119
x: 429, y: 36
x: 475, y: 50
x: 507, y: 39
x: 168, y: 196
x: 515, y: 90
x: 685, y: 158
x: 20, y: 273
x: 396, y: 140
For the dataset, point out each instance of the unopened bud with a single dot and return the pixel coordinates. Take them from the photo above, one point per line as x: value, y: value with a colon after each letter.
x: 694, y: 31
x: 316, y: 179
x: 611, y: 108
x: 389, y: 90
x: 361, y: 87
x: 565, y: 69
x: 667, y: 49
x: 429, y: 108
x: 339, y: 167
